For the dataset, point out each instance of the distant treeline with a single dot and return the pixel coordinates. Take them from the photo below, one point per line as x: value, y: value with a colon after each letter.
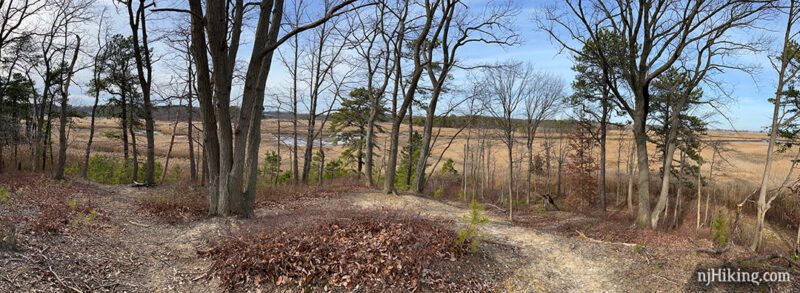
x: 167, y: 113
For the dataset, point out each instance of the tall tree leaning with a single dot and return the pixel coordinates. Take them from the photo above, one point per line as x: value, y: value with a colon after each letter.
x: 655, y: 36
x: 787, y: 70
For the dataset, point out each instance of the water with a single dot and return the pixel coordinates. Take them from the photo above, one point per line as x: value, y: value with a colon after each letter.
x: 288, y: 139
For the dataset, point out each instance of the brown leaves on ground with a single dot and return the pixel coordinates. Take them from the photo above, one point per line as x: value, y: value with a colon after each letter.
x: 38, y: 204
x: 176, y: 204
x: 378, y: 250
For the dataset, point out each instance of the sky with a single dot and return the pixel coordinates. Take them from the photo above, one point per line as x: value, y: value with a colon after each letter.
x: 748, y: 108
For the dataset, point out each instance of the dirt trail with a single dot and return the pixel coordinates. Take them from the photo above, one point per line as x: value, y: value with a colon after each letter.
x: 165, y: 255
x: 551, y: 262
x: 156, y: 256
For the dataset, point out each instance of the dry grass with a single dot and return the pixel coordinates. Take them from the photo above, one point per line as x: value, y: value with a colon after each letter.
x: 744, y: 161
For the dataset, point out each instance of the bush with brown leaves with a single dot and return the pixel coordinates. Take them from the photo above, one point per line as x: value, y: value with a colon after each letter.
x: 378, y: 250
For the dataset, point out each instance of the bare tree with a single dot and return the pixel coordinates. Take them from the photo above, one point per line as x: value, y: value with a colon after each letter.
x: 457, y: 28
x: 510, y: 84
x: 291, y: 62
x: 325, y: 52
x: 95, y: 87
x: 540, y: 104
x: 232, y: 156
x: 651, y: 39
x: 372, y: 42
x: 137, y: 20
x: 787, y: 68
x: 408, y: 88
x: 74, y: 12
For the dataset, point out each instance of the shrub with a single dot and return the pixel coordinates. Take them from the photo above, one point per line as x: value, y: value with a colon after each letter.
x: 438, y: 192
x: 5, y: 196
x: 73, y: 169
x: 110, y: 170
x: 175, y: 175
x: 719, y: 230
x: 470, y: 233
x: 448, y: 169
x: 335, y: 169
x: 271, y: 167
x: 102, y: 170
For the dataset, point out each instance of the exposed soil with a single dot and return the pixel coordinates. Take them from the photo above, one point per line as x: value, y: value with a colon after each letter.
x: 128, y: 250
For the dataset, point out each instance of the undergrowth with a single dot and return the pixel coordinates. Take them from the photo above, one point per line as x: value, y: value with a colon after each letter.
x: 372, y: 250
x: 37, y: 204
x: 175, y: 204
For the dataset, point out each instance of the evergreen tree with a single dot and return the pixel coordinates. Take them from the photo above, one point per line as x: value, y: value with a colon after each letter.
x: 349, y: 126
x: 664, y: 91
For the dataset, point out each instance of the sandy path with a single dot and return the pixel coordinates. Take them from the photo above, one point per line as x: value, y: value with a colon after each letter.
x: 552, y: 263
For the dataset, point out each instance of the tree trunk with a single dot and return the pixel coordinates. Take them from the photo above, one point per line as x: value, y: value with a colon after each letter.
x: 671, y: 140
x: 373, y: 116
x: 124, y: 126
x: 464, y: 174
x: 763, y: 205
x: 640, y: 137
x: 360, y: 158
x: 169, y: 149
x: 62, y: 119
x: 427, y: 135
x: 679, y: 189
x: 410, y: 165
x: 510, y: 175
x: 699, y: 197
x: 602, y: 178
x: 391, y: 163
x: 190, y: 125
x: 135, y: 175
x: 631, y: 163
x: 619, y: 171
x: 85, y: 172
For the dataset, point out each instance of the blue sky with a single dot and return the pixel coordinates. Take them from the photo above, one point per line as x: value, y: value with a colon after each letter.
x: 748, y: 110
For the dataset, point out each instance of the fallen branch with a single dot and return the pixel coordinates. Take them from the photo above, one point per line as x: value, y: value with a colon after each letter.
x: 793, y: 265
x: 583, y: 236
x: 138, y: 184
x: 494, y: 206
x: 711, y: 251
x: 62, y: 281
x: 139, y: 224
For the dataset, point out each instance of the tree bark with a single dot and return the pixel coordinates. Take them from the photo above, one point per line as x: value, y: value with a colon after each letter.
x: 190, y: 122
x: 643, y: 182
x: 601, y: 187
x: 135, y: 151
x: 137, y: 21
x: 763, y: 205
x: 85, y: 172
x: 671, y: 140
x: 62, y: 119
x: 169, y: 149
x: 631, y: 163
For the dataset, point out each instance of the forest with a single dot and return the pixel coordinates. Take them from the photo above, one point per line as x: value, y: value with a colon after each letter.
x: 399, y: 146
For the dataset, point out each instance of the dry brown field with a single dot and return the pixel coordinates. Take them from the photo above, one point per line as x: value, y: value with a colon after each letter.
x: 742, y: 161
